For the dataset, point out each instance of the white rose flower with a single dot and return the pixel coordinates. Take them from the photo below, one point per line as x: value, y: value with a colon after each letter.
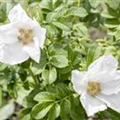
x: 99, y: 87
x: 21, y: 39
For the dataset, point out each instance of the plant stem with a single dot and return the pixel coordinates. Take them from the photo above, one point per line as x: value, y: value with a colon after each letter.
x: 78, y: 3
x: 32, y: 75
x: 1, y: 97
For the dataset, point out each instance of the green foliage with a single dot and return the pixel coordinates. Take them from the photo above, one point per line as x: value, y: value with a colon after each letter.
x: 3, y: 15
x: 44, y: 89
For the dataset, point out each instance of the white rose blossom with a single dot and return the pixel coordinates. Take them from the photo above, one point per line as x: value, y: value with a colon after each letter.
x: 21, y: 39
x: 99, y: 87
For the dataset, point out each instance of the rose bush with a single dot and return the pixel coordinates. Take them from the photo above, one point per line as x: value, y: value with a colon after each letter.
x: 59, y: 59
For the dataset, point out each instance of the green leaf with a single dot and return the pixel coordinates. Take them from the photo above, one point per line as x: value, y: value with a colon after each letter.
x: 94, y: 3
x: 117, y: 35
x: 3, y: 15
x: 46, y: 4
x: 111, y: 23
x: 37, y: 68
x: 61, y: 90
x: 109, y: 113
x: 59, y: 61
x: 109, y: 13
x: 65, y: 109
x: 2, y: 66
x: 52, y: 75
x: 77, y: 11
x: 56, y: 50
x: 54, y: 112
x: 49, y: 76
x: 29, y: 100
x: 24, y: 114
x: 61, y: 26
x: 40, y: 110
x: 64, y: 70
x: 93, y: 53
x: 55, y: 15
x: 79, y: 112
x: 45, y: 97
x: 80, y: 29
x: 113, y: 4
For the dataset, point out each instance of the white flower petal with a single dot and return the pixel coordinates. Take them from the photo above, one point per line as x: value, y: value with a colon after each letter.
x: 106, y: 62
x: 111, y: 87
x: 1, y: 50
x: 40, y: 33
x: 18, y: 14
x: 91, y: 104
x: 109, y: 81
x: 112, y: 101
x: 33, y: 52
x: 8, y: 34
x: 13, y: 54
x: 36, y: 42
x: 77, y: 80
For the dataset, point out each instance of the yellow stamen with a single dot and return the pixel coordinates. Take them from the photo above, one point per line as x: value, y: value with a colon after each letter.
x: 93, y: 88
x: 26, y: 36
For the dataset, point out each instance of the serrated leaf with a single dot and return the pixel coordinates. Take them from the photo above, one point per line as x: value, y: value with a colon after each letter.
x: 94, y: 3
x: 113, y: 4
x: 52, y: 75
x: 54, y: 112
x: 80, y: 111
x: 65, y: 109
x: 59, y: 61
x: 109, y: 13
x: 58, y: 13
x: 25, y: 114
x: 111, y: 23
x: 77, y: 11
x: 61, y: 90
x: 45, y: 97
x: 46, y: 4
x: 61, y: 26
x: 40, y: 110
x: 49, y: 76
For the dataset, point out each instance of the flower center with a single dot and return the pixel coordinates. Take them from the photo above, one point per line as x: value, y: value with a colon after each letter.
x: 26, y: 36
x: 93, y: 88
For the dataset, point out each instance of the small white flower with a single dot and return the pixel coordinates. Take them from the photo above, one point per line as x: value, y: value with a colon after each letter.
x: 99, y: 87
x: 22, y: 38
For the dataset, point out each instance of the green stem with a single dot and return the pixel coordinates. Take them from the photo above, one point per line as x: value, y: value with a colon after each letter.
x: 78, y: 3
x: 34, y: 78
x: 1, y: 97
x: 64, y: 98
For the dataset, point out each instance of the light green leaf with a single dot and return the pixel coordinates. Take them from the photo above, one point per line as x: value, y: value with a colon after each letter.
x: 59, y: 61
x: 25, y: 114
x: 77, y: 11
x: 44, y: 97
x: 61, y: 26
x: 54, y: 112
x: 65, y: 109
x: 52, y: 75
x: 49, y: 76
x: 109, y: 14
x: 40, y: 110
x: 114, y: 4
x: 111, y: 23
x: 94, y: 3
